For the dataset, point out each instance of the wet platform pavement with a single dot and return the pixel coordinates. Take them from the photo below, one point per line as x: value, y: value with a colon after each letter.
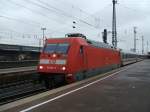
x: 127, y: 91
x: 19, y: 69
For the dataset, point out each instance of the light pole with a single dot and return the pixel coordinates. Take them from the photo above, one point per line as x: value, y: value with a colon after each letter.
x: 147, y: 46
x: 39, y: 44
x: 135, y: 39
x: 43, y: 29
x: 142, y: 44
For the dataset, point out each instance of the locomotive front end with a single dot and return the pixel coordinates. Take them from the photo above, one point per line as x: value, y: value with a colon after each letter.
x: 53, y: 59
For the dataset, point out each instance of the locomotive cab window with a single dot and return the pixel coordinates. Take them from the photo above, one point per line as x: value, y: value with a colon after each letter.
x: 57, y: 48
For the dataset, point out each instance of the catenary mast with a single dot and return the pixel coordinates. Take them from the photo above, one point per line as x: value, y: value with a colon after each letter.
x: 114, y: 29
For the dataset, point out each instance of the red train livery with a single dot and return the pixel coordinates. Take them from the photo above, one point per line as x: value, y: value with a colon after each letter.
x: 75, y: 58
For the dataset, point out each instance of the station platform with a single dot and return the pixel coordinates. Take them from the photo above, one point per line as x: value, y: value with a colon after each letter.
x: 18, y: 69
x: 126, y: 90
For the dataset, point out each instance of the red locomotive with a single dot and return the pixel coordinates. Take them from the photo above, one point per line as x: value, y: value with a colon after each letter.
x: 75, y: 58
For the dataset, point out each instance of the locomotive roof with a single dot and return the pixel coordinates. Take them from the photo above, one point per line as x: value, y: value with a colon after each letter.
x: 99, y: 44
x: 90, y: 42
x: 127, y: 51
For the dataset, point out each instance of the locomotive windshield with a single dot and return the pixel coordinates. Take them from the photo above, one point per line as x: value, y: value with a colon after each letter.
x: 58, y: 48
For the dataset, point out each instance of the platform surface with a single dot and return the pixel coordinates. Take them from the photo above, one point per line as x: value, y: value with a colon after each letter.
x: 18, y: 69
x: 126, y: 91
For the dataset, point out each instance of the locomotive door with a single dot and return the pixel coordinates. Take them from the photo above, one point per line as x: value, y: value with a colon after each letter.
x: 85, y: 61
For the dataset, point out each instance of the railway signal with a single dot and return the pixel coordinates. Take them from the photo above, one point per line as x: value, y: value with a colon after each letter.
x: 74, y: 23
x: 104, y: 36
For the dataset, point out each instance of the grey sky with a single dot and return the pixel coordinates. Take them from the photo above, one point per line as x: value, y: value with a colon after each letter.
x: 21, y: 20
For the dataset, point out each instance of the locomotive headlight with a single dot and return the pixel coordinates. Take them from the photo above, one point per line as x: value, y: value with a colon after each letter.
x: 40, y: 67
x: 63, y: 68
x: 54, y: 55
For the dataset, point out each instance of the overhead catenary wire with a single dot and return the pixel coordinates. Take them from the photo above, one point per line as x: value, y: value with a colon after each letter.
x: 65, y: 14
x: 33, y: 11
x: 75, y: 7
x: 36, y: 12
x: 41, y: 14
x: 62, y: 13
x: 82, y: 21
x: 28, y: 22
x: 135, y: 10
x: 95, y: 16
x: 18, y: 20
x: 79, y: 9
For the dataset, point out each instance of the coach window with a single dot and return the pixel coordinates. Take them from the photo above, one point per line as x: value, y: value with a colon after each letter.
x: 81, y: 49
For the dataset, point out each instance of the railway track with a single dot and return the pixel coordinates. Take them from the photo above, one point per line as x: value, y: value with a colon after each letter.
x: 18, y: 86
x: 23, y: 86
x: 12, y: 64
x: 17, y: 83
x: 19, y: 91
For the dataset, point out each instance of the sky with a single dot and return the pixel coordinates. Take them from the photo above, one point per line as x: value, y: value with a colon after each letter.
x: 21, y: 20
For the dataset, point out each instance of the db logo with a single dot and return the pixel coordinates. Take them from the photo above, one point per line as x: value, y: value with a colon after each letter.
x: 52, y: 61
